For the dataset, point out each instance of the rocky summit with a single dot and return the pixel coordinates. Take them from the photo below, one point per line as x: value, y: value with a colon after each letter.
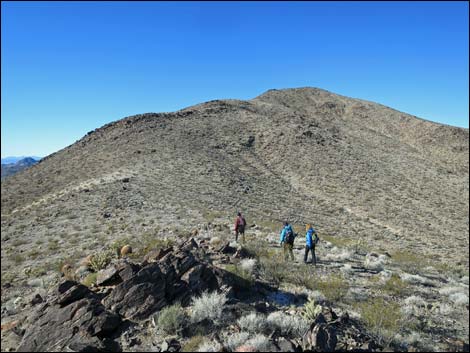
x: 124, y: 239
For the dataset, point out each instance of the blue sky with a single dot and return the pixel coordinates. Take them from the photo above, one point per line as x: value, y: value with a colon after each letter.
x: 70, y: 67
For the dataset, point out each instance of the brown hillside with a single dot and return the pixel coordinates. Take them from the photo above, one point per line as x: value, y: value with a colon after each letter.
x: 354, y: 168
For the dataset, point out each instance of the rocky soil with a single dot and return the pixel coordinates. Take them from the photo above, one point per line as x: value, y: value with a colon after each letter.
x: 119, y: 310
x: 388, y: 193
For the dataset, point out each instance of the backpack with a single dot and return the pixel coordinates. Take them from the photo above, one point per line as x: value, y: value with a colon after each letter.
x: 241, y: 225
x: 290, y: 237
x: 316, y: 239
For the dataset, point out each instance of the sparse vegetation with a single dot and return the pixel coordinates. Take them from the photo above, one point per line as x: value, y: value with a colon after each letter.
x: 286, y: 324
x: 171, y: 319
x: 253, y: 323
x: 90, y: 279
x: 193, y: 344
x: 17, y: 258
x: 208, y: 306
x: 380, y: 316
x: 311, y: 310
x: 395, y: 286
x: 101, y: 259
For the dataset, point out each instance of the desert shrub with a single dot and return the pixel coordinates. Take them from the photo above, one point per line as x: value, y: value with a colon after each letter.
x: 215, y: 241
x: 415, y: 279
x: 238, y: 270
x: 208, y: 306
x: 102, y: 259
x: 151, y: 241
x: 334, y: 288
x: 311, y: 310
x: 394, y: 285
x: 339, y: 255
x: 257, y: 249
x: 193, y: 344
x: 286, y: 324
x: 37, y: 271
x: 459, y: 299
x: 117, y: 245
x: 260, y: 343
x: 252, y: 323
x: 248, y: 265
x: 234, y: 341
x: 374, y: 263
x: 347, y: 270
x: 381, y: 317
x: 171, y: 319
x: 413, y: 305
x: 90, y: 279
x: 456, y: 295
x: 272, y: 272
x: 209, y: 346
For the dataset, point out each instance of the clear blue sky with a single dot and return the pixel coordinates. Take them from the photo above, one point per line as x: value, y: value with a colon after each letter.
x: 70, y: 67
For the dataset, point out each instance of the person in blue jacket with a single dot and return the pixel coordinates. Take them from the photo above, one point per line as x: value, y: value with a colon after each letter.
x: 287, y: 241
x: 311, y: 239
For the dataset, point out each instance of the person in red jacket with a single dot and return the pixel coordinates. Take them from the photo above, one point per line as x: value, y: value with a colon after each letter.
x: 240, y: 224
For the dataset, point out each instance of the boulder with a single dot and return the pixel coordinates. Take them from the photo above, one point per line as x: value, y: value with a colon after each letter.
x: 156, y: 255
x: 139, y: 296
x: 73, y: 319
x: 108, y: 276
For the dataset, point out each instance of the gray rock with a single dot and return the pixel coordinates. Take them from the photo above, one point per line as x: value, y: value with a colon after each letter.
x: 108, y: 276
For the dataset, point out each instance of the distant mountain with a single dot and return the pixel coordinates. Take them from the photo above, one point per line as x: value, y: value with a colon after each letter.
x: 13, y: 168
x: 10, y: 160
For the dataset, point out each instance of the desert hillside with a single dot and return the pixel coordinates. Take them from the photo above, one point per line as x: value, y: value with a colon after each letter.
x: 355, y: 169
x: 372, y: 180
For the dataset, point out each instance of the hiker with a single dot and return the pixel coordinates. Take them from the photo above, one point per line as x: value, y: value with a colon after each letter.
x: 287, y: 241
x: 240, y: 224
x: 311, y: 239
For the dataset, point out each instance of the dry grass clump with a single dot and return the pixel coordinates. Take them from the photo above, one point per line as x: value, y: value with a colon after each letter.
x: 208, y: 306
x: 253, y: 323
x: 381, y: 317
x: 288, y: 325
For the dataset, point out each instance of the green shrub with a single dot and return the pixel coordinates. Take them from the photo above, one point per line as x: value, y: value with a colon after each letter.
x: 311, y: 310
x: 90, y: 279
x: 102, y: 259
x: 272, y: 271
x: 334, y: 287
x: 237, y: 270
x: 381, y: 317
x: 171, y: 319
x: 395, y: 285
